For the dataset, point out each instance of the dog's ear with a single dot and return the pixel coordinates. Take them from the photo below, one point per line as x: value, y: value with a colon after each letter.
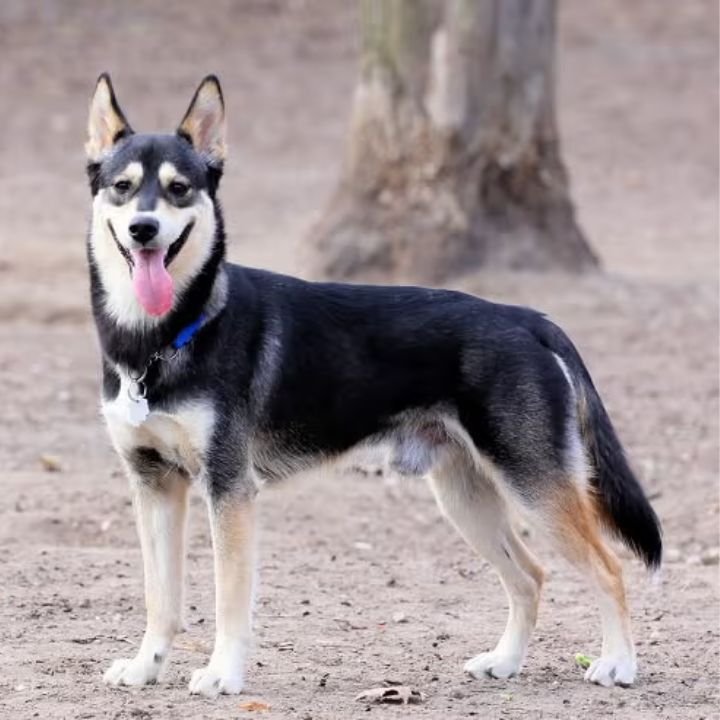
x: 106, y: 124
x: 204, y: 123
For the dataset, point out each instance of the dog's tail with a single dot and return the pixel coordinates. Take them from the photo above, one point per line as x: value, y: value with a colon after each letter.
x: 624, y: 509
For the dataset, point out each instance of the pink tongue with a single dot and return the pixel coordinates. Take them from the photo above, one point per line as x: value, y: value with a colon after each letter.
x: 151, y: 281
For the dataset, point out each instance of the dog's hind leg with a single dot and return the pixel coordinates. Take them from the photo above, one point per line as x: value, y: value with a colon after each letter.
x: 470, y: 500
x: 232, y: 522
x: 573, y: 519
x: 160, y: 499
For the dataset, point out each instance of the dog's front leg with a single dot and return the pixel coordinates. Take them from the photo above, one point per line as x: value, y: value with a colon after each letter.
x: 232, y: 521
x: 161, y: 510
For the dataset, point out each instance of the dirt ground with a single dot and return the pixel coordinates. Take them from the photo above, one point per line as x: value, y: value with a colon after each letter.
x: 342, y: 556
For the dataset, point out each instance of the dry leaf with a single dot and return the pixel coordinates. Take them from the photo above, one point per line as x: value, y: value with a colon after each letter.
x: 397, y: 694
x: 255, y: 706
x: 50, y: 463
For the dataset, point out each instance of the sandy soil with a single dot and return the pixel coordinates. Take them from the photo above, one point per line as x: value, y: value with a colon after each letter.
x: 342, y: 556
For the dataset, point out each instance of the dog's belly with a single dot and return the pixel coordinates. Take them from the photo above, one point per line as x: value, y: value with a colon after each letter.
x: 409, y: 445
x: 181, y: 437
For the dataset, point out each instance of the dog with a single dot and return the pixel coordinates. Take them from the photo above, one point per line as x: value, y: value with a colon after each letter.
x: 227, y: 377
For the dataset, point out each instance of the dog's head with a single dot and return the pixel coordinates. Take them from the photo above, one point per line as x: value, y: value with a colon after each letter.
x: 154, y: 208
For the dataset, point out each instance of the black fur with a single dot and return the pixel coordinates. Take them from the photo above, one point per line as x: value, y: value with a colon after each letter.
x: 628, y: 513
x: 632, y: 518
x: 147, y: 462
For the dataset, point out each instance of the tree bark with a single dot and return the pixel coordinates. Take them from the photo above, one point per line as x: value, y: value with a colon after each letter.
x: 453, y: 158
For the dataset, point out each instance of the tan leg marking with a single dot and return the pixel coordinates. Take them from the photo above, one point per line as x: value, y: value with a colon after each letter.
x: 470, y: 500
x: 233, y: 531
x: 577, y: 527
x: 161, y: 513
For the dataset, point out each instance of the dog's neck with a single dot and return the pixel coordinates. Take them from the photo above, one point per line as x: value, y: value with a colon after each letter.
x: 132, y: 346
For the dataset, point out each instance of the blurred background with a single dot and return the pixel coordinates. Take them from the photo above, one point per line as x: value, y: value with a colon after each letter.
x: 637, y: 113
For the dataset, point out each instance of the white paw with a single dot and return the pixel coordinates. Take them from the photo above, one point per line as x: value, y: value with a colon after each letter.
x: 212, y: 682
x: 613, y: 670
x: 135, y: 671
x: 494, y: 665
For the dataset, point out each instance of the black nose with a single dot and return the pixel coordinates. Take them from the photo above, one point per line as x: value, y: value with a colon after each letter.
x: 143, y: 229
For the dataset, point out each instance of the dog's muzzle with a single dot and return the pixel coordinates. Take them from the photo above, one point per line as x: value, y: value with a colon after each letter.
x: 144, y: 235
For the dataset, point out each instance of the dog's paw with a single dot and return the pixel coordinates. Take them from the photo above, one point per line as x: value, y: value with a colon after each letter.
x: 612, y: 670
x: 133, y: 672
x: 493, y: 665
x: 212, y: 682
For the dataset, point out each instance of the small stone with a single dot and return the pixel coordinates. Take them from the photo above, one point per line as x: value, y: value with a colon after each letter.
x: 672, y: 555
x: 693, y: 560
x: 399, y: 617
x: 711, y: 556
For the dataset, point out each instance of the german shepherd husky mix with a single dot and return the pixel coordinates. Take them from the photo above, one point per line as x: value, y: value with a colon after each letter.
x: 230, y: 377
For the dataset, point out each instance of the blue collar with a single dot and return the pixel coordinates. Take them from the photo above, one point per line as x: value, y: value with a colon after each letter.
x: 182, y: 339
x: 188, y: 333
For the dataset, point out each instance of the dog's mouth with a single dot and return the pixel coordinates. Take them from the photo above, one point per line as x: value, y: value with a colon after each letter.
x: 177, y: 246
x: 152, y: 283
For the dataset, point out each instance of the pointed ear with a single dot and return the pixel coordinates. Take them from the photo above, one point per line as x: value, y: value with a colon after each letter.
x: 106, y: 124
x: 204, y: 123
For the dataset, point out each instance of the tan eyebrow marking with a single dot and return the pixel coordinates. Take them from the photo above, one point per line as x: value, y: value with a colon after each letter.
x: 133, y: 171
x: 168, y: 173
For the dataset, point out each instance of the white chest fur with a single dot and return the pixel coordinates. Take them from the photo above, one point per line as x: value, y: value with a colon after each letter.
x: 181, y: 435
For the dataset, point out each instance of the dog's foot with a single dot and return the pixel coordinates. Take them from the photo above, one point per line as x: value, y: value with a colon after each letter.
x: 211, y: 682
x: 612, y: 670
x: 135, y: 671
x: 494, y: 665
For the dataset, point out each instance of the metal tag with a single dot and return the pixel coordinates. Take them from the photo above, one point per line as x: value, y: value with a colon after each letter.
x: 137, y: 411
x: 131, y: 403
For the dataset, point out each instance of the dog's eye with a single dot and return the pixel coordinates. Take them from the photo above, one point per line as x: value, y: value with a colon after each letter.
x: 178, y: 189
x: 122, y: 186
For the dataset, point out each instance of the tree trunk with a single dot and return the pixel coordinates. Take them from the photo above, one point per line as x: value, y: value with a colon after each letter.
x: 453, y: 159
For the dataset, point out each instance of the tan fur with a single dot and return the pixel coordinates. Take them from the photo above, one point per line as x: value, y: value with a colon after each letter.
x: 132, y: 172
x: 163, y: 557
x: 161, y: 512
x: 104, y: 122
x: 467, y: 493
x: 578, y: 528
x: 168, y: 173
x: 233, y: 526
x: 233, y: 531
x: 576, y: 524
x: 204, y: 122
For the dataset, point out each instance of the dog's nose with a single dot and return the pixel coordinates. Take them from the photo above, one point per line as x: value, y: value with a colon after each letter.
x: 143, y: 229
